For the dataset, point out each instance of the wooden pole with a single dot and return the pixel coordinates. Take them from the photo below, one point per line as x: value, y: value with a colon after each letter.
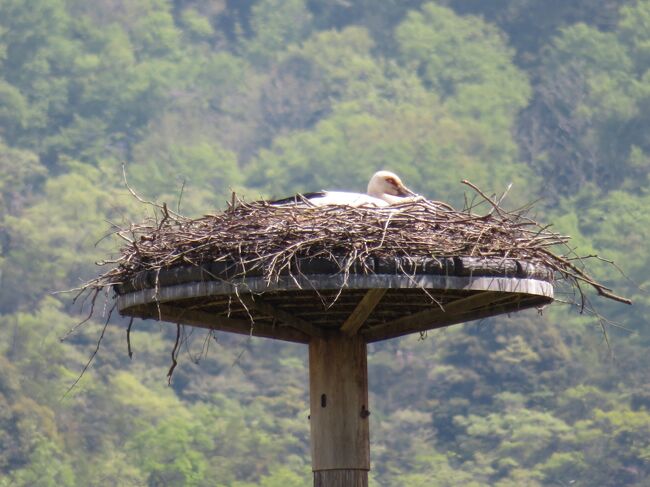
x: 338, y: 389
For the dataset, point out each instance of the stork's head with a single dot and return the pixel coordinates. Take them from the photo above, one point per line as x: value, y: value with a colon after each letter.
x: 384, y: 183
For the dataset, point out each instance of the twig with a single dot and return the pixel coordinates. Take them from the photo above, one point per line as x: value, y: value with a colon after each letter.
x: 92, y: 356
x: 170, y: 372
x: 180, y: 197
x: 128, y: 338
x: 495, y: 205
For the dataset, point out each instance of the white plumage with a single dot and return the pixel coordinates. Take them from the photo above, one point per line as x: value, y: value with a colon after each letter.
x: 384, y: 189
x: 325, y: 198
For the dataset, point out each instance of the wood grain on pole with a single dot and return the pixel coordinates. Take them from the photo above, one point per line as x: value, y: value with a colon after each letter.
x: 338, y: 380
x: 341, y: 478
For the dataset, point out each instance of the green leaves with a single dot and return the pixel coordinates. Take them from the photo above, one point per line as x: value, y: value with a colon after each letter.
x: 463, y: 58
x: 590, y: 106
x: 635, y: 32
x: 276, y: 24
x: 198, y: 171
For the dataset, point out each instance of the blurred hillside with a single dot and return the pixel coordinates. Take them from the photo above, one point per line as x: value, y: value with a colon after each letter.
x: 270, y: 97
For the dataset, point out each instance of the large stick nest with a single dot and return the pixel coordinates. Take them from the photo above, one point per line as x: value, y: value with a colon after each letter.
x: 271, y: 239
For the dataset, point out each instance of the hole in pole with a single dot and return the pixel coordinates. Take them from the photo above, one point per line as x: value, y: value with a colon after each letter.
x: 323, y: 400
x: 364, y: 412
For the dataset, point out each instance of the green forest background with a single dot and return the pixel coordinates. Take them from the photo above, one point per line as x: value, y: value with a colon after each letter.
x: 271, y: 97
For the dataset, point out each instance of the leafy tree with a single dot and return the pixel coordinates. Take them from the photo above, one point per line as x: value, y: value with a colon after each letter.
x: 44, y: 244
x: 379, y: 18
x: 529, y: 23
x: 47, y: 467
x: 165, y: 162
x: 276, y: 24
x: 588, y: 109
x: 465, y: 60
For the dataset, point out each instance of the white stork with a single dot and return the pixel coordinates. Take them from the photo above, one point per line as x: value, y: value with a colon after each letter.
x: 384, y: 189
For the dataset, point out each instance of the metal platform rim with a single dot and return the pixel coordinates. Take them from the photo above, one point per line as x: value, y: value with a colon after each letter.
x: 256, y: 285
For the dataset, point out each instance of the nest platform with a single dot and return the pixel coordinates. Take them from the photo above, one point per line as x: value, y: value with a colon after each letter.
x: 294, y: 272
x: 380, y: 299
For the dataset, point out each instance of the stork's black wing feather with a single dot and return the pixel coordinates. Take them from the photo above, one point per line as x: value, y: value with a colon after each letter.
x: 297, y: 198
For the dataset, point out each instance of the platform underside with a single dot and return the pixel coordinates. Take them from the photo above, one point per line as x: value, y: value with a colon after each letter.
x: 375, y: 306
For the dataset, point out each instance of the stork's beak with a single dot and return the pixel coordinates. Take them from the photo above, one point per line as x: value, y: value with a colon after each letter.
x: 404, y: 191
